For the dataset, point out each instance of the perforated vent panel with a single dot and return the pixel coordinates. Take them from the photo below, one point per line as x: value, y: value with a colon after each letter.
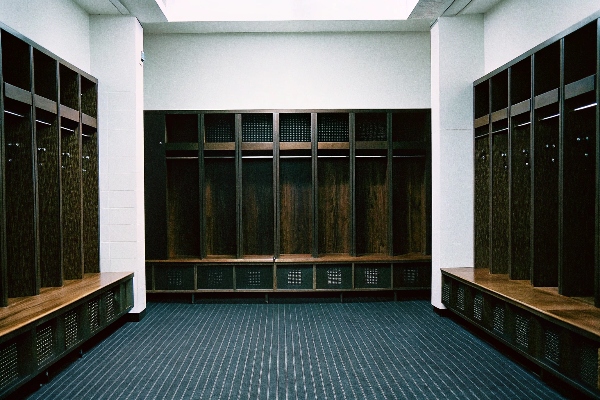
x: 522, y: 330
x: 334, y: 276
x: 478, y: 307
x: 552, y: 347
x: 174, y: 278
x: 460, y: 298
x: 294, y: 127
x: 94, y: 314
x: 44, y: 344
x: 71, y: 329
x: 499, y: 319
x: 253, y: 278
x: 8, y: 364
x: 410, y: 275
x: 215, y: 278
x: 110, y: 305
x: 588, y: 366
x: 294, y: 277
x: 446, y: 292
x: 257, y: 128
x: 371, y: 276
x: 333, y: 127
x: 219, y: 128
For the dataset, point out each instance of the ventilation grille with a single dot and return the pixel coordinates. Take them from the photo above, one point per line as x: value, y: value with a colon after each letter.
x: 460, y: 298
x: 253, y: 278
x: 334, y: 276
x: 8, y: 365
x: 478, y: 307
x: 174, y: 278
x: 215, y: 278
x: 410, y: 275
x: 44, y: 344
x: 294, y: 277
x: 110, y: 305
x: 522, y: 330
x: 219, y: 128
x: 71, y: 329
x: 257, y: 128
x: 94, y: 315
x: 333, y: 127
x: 371, y: 127
x: 371, y: 276
x: 552, y: 347
x: 294, y: 127
x: 588, y: 366
x: 446, y: 293
x: 499, y: 319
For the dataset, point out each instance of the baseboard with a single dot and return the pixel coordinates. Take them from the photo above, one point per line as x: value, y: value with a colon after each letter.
x: 135, y: 317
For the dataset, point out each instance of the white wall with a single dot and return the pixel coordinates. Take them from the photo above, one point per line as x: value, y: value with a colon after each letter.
x: 57, y: 25
x: 116, y: 44
x: 456, y: 61
x: 515, y: 26
x: 287, y: 71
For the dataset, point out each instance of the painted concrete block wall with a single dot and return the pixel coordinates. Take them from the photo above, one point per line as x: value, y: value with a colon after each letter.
x: 287, y: 70
x: 60, y: 26
x: 515, y: 26
x: 456, y: 61
x: 116, y: 44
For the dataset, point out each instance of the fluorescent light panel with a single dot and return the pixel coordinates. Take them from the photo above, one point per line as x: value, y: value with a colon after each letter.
x: 289, y: 10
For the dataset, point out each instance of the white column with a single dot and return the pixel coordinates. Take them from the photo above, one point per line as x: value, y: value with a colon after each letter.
x: 457, y: 59
x: 116, y: 43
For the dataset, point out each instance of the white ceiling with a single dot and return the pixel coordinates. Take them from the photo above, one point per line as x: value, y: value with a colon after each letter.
x: 155, y: 17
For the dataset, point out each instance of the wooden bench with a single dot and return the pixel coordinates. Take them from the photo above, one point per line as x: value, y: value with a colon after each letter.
x: 37, y: 331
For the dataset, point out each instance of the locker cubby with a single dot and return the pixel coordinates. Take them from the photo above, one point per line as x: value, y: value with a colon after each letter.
x: 69, y: 87
x: 174, y: 277
x: 581, y: 53
x: 579, y: 196
x: 219, y: 128
x: 19, y: 200
x: 257, y: 203
x: 295, y: 276
x: 545, y: 203
x: 89, y: 97
x: 499, y: 93
x: 45, y: 75
x: 90, y: 185
x: 411, y: 125
x: 214, y: 277
x: 16, y: 61
x: 371, y: 201
x: 71, y: 199
x: 520, y: 81
x: 371, y: 127
x: 257, y: 127
x: 482, y: 99
x: 520, y: 198
x: 254, y: 276
x: 333, y: 127
x: 547, y: 69
x: 372, y: 276
x: 334, y: 276
x: 500, y: 202
x: 296, y: 202
x: 482, y: 160
x: 48, y: 174
x: 181, y: 128
x: 295, y: 127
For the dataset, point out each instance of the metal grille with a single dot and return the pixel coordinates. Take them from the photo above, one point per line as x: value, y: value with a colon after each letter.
x: 522, y: 330
x: 371, y: 276
x: 110, y: 305
x: 499, y: 319
x: 333, y: 127
x: 446, y: 292
x: 253, y: 278
x: 294, y: 127
x: 8, y: 365
x: 478, y: 307
x: 588, y: 366
x: 334, y: 276
x: 44, y: 344
x: 460, y: 298
x: 371, y: 127
x: 215, y: 278
x: 410, y: 275
x: 174, y: 278
x: 552, y: 347
x: 219, y: 128
x: 257, y: 128
x: 294, y: 277
x: 71, y: 329
x: 94, y: 314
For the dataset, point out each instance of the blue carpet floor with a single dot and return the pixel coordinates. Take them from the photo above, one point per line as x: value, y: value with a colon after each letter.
x: 370, y: 350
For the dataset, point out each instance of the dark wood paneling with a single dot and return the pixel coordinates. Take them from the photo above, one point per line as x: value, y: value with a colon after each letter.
x: 45, y: 74
x: 89, y: 97
x: 257, y: 206
x: 71, y: 201
x: 409, y: 206
x: 48, y: 159
x: 334, y: 205
x: 545, y: 206
x: 295, y: 177
x: 155, y: 183
x: 500, y: 203
x: 219, y: 189
x: 579, y: 194
x: 20, y: 228
x: 520, y: 264
x: 183, y: 210
x: 69, y: 87
x: 371, y: 205
x: 482, y: 202
x: 16, y: 61
x: 182, y: 128
x: 89, y: 176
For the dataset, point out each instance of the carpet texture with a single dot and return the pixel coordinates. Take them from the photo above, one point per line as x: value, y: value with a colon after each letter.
x: 362, y: 350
